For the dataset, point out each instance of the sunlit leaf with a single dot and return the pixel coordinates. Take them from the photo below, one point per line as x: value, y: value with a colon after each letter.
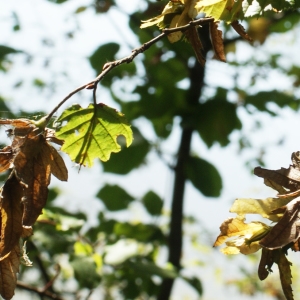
x: 92, y: 132
x: 256, y: 206
x: 247, y: 236
x: 217, y: 41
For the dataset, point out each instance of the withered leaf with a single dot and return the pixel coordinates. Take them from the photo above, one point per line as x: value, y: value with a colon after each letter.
x: 285, y: 276
x: 194, y: 39
x: 287, y: 230
x: 34, y: 173
x: 6, y: 157
x: 21, y: 126
x: 217, y: 41
x: 268, y: 257
x: 9, y: 267
x: 57, y: 164
x: 11, y: 215
x: 241, y: 30
x: 288, y: 178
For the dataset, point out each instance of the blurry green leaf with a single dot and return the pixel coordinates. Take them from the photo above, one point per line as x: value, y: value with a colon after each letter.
x: 152, y: 203
x: 147, y: 268
x: 141, y: 232
x: 114, y: 197
x: 85, y: 271
x: 262, y: 99
x: 204, y: 176
x: 83, y: 249
x: 105, y: 53
x: 128, y: 158
x: 58, y: 1
x: 80, y: 9
x: 39, y: 83
x: 92, y: 132
x: 214, y: 119
x: 195, y: 283
x: 63, y: 222
x: 4, y: 50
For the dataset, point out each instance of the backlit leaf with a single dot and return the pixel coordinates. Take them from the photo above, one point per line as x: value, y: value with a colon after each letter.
x: 92, y: 132
x: 256, y: 206
x: 11, y: 215
x: 9, y: 268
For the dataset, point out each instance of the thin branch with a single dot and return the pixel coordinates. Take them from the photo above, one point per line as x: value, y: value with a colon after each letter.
x: 40, y: 292
x: 128, y: 59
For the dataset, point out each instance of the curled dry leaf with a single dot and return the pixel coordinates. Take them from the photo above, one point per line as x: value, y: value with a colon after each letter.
x: 6, y: 157
x: 11, y: 215
x: 9, y: 268
x: 285, y: 273
x: 287, y: 230
x: 194, y: 39
x: 246, y: 236
x: 241, y: 30
x: 217, y: 41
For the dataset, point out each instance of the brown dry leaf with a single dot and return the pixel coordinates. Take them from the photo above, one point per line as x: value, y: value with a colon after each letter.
x: 217, y: 41
x: 194, y: 39
x: 287, y: 230
x: 288, y: 178
x: 6, y: 157
x: 268, y: 257
x: 285, y: 276
x: 9, y: 268
x: 22, y: 127
x: 241, y: 30
x: 11, y: 215
x: 34, y: 173
x: 57, y: 164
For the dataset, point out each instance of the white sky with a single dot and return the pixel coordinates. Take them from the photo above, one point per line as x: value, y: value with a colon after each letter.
x: 41, y: 19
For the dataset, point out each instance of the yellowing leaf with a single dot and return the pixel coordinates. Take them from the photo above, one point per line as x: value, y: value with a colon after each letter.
x: 226, y: 10
x: 262, y: 207
x: 246, y: 236
x: 170, y: 8
x: 92, y: 132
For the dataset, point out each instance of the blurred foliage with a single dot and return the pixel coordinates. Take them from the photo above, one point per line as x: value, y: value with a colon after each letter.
x: 119, y: 256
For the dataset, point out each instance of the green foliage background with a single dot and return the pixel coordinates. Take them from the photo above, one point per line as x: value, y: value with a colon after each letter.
x: 117, y: 257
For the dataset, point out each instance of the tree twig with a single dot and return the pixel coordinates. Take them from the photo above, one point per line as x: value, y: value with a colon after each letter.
x: 40, y: 292
x: 128, y: 59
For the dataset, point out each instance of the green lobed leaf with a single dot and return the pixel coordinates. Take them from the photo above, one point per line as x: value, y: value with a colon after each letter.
x: 114, y: 197
x: 204, y: 176
x: 92, y: 132
x: 152, y: 203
